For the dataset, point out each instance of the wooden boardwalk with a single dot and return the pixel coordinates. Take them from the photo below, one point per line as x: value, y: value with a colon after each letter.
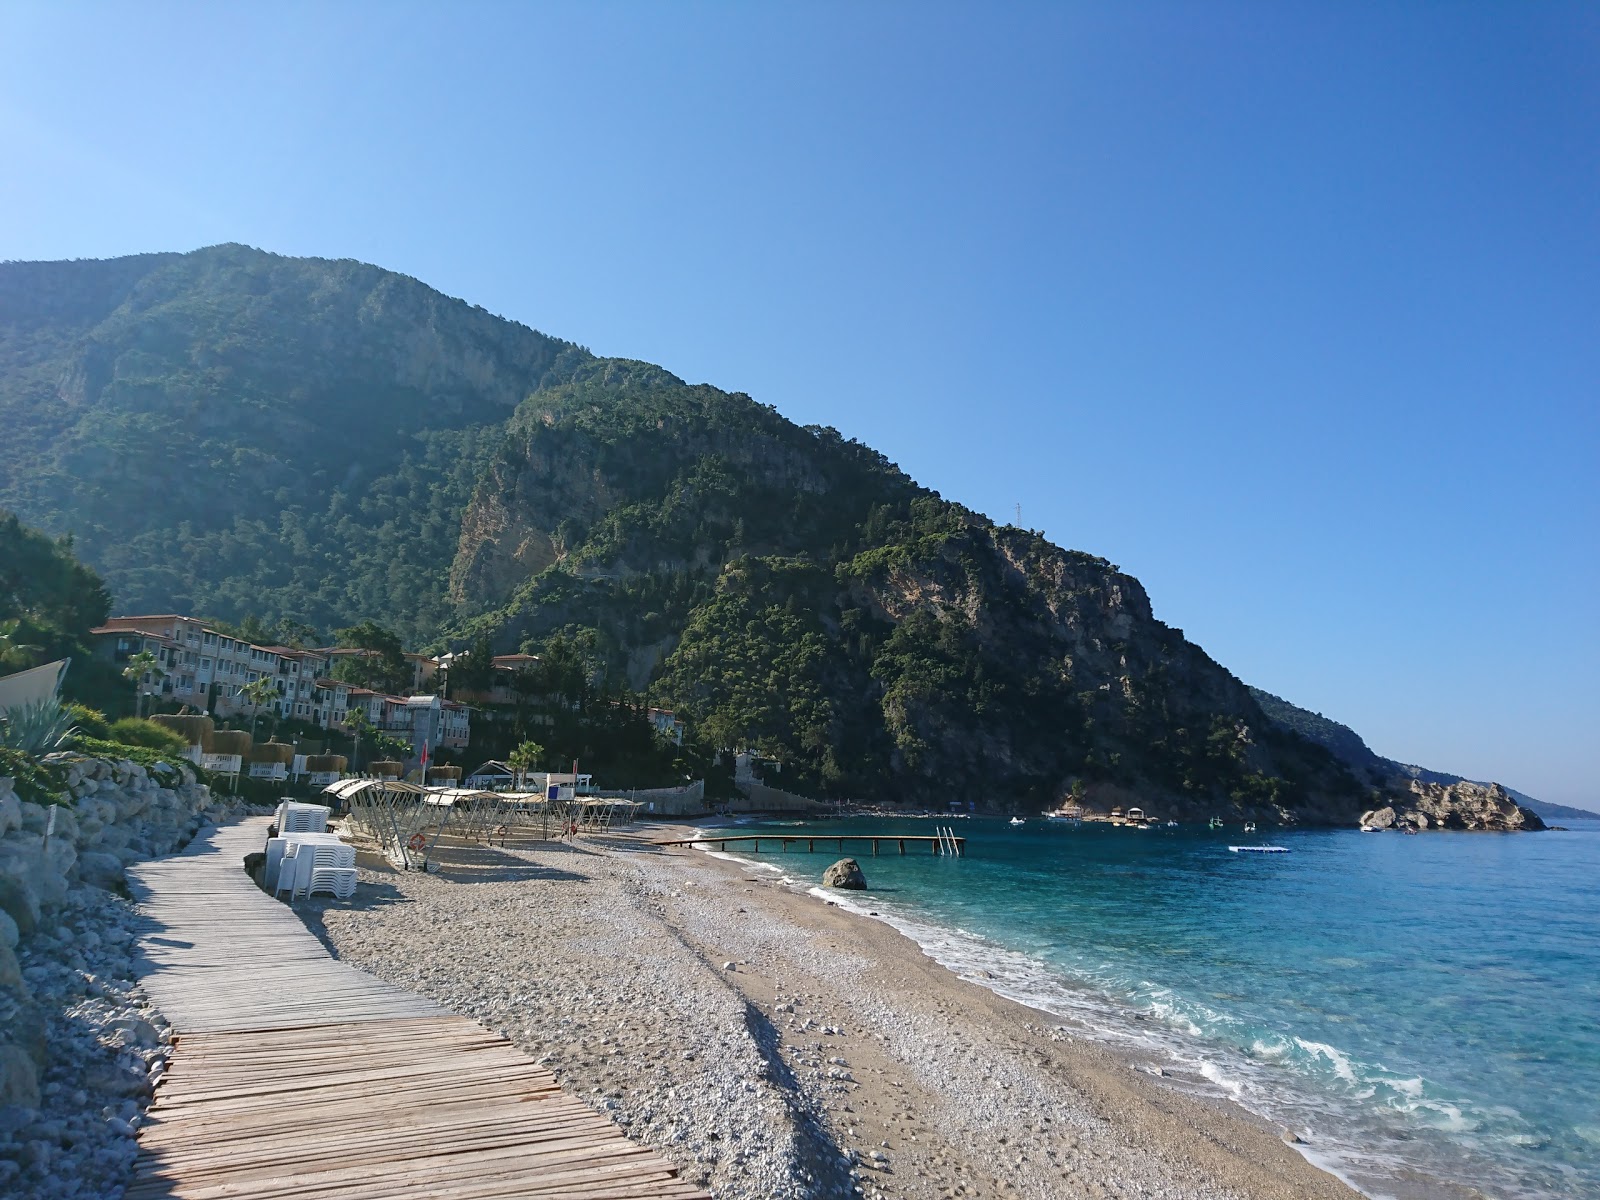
x: 295, y: 1075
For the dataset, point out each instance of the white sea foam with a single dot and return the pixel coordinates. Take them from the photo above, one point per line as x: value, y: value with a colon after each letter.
x: 1339, y: 1060
x: 757, y: 864
x: 1154, y: 1023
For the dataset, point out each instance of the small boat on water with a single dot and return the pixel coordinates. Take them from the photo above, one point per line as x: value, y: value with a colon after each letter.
x: 1370, y: 829
x: 1214, y: 823
x: 1249, y: 826
x: 1259, y: 849
x: 1018, y: 821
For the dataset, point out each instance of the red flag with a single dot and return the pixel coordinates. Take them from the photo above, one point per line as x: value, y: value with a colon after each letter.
x: 424, y: 754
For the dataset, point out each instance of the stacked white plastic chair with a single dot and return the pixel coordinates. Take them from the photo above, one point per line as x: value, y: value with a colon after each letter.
x: 288, y: 872
x: 302, y: 818
x: 333, y: 869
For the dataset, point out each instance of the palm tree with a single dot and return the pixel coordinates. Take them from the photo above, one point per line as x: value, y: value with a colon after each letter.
x: 524, y: 759
x: 258, y: 692
x: 356, y: 722
x: 140, y: 666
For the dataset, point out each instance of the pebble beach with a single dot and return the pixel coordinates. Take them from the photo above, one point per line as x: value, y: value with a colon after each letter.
x: 773, y: 1045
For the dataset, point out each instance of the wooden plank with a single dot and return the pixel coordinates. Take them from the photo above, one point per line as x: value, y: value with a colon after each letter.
x: 266, y: 1096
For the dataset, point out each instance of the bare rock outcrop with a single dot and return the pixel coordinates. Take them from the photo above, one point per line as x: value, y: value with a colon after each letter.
x: 1463, y: 805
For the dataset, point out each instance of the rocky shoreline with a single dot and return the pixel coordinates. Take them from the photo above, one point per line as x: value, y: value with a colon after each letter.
x: 81, y: 1045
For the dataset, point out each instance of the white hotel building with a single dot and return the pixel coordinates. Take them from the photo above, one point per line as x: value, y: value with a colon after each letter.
x: 206, y: 669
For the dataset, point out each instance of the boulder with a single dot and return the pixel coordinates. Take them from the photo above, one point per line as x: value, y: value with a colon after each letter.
x: 19, y: 1078
x: 10, y: 969
x: 1381, y: 818
x: 100, y: 869
x: 18, y: 902
x: 10, y: 809
x: 42, y: 869
x: 10, y: 935
x: 66, y: 824
x: 846, y: 873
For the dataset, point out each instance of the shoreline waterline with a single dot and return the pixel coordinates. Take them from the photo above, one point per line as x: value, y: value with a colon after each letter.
x: 1395, y: 1151
x: 773, y: 1046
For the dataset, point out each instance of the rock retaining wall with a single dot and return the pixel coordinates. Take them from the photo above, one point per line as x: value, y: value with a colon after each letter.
x: 77, y: 1037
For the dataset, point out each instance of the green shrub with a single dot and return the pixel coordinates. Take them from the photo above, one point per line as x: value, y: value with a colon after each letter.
x: 136, y: 731
x: 90, y: 722
x: 32, y: 779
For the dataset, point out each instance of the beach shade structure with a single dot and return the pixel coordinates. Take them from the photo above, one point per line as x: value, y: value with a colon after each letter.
x: 395, y: 815
x: 325, y: 768
x: 386, y: 768
x: 36, y: 685
x: 270, y: 761
x: 444, y: 776
x: 225, y: 751
x: 227, y: 741
x: 194, y: 730
x: 491, y: 817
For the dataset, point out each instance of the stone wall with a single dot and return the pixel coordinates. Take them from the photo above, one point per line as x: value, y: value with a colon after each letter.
x: 113, y: 814
x: 670, y: 802
x: 756, y: 797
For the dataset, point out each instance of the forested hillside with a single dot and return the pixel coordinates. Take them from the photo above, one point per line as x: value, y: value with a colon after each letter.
x: 234, y: 433
x: 230, y: 431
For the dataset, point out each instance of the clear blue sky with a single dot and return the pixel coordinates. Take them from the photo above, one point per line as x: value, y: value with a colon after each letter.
x: 1289, y: 309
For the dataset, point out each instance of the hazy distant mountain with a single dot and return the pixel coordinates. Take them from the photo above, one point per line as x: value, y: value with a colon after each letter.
x: 1345, y: 743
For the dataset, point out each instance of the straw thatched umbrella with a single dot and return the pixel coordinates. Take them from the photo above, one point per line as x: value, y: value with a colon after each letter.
x: 193, y: 730
x: 228, y: 741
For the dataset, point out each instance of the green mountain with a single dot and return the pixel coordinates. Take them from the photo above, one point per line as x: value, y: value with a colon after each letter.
x: 236, y: 433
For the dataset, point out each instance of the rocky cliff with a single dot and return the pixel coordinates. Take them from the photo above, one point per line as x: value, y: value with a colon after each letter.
x: 1461, y: 805
x: 1417, y: 797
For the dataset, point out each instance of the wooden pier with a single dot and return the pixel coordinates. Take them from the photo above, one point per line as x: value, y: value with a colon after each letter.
x: 936, y: 843
x: 294, y: 1075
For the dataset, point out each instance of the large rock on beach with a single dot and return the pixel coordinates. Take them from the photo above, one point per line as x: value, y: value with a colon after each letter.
x: 846, y: 873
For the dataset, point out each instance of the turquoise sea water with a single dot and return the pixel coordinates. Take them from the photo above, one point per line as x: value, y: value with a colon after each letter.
x: 1425, y: 1010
